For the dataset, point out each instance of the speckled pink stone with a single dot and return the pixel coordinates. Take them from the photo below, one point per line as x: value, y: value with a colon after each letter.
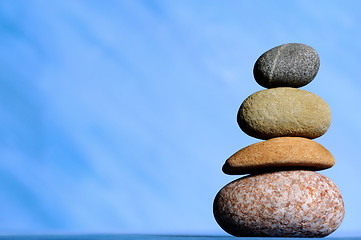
x: 280, y: 204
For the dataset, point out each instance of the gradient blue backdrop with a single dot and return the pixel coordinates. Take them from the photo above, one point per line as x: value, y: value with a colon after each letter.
x: 117, y: 116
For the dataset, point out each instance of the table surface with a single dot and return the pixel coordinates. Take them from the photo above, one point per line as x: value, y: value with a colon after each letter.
x: 141, y: 237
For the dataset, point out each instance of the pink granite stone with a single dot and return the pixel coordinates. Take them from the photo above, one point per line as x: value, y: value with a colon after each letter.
x: 280, y: 204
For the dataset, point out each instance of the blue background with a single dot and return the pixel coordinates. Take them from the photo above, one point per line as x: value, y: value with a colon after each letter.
x: 117, y: 116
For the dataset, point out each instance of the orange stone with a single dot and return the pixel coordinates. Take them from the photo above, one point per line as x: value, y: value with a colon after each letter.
x: 277, y: 154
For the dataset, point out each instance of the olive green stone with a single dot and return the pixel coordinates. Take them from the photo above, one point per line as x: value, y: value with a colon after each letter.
x: 284, y: 112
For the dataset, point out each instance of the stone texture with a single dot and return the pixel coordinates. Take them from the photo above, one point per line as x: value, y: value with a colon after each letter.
x: 288, y: 65
x: 280, y: 204
x: 284, y: 112
x: 279, y: 153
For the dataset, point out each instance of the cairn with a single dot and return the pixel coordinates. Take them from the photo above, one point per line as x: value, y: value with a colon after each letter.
x: 282, y: 196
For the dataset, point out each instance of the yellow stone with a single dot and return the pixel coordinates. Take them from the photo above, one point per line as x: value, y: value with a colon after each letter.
x: 279, y: 153
x: 284, y: 112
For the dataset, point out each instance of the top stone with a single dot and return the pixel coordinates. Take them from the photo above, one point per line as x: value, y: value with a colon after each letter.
x: 288, y: 65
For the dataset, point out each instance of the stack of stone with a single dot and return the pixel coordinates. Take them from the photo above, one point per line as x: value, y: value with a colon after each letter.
x: 282, y: 196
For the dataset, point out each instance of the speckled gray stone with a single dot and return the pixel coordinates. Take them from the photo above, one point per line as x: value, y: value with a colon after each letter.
x: 288, y: 65
x: 284, y: 112
x: 280, y: 204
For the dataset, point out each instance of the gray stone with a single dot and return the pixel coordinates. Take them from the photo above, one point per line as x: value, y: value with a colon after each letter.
x: 284, y: 112
x: 280, y: 204
x: 288, y: 65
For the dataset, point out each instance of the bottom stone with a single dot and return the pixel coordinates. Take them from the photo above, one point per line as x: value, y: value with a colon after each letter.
x: 280, y: 204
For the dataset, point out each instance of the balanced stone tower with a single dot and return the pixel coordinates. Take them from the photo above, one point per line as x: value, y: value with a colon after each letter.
x: 282, y: 196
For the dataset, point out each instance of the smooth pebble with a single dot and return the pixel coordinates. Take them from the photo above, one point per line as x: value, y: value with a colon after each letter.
x: 280, y: 204
x: 284, y: 112
x: 288, y: 65
x: 279, y: 153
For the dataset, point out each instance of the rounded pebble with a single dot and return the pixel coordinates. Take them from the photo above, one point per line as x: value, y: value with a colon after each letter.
x: 288, y: 65
x: 284, y: 112
x: 280, y: 204
x: 279, y: 153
